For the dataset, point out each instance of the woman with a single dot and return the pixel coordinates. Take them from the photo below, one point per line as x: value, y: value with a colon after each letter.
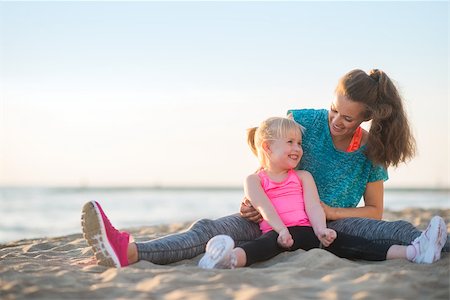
x: 346, y: 162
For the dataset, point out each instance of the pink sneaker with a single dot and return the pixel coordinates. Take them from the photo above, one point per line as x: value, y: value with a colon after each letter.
x: 109, y: 244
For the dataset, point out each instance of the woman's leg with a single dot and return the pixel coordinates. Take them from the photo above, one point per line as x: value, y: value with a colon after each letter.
x: 192, y: 242
x: 380, y: 232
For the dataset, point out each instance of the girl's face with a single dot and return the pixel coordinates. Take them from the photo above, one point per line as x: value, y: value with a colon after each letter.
x: 345, y: 116
x: 285, y: 153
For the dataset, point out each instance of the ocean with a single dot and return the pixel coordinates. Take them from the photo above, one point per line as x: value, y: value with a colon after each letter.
x: 50, y: 212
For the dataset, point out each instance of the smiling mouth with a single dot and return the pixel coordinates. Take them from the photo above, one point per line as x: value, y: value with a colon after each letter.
x: 335, y: 128
x: 293, y: 156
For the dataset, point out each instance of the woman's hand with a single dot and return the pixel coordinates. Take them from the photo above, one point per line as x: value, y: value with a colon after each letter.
x: 285, y: 239
x: 326, y: 236
x: 249, y: 212
x: 328, y: 210
x: 372, y: 209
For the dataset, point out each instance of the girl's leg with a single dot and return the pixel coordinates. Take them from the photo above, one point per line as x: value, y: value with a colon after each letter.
x: 304, y: 238
x: 380, y: 232
x: 355, y: 247
x: 221, y: 254
x: 346, y: 246
x: 241, y: 257
x: 192, y: 242
x: 261, y: 249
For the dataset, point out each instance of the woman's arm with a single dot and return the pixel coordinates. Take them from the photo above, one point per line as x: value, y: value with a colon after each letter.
x: 255, y: 193
x: 248, y: 212
x: 373, y: 205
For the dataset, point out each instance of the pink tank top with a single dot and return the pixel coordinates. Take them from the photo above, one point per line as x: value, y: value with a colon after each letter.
x: 287, y: 198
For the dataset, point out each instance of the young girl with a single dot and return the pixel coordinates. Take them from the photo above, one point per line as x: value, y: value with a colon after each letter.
x: 294, y: 218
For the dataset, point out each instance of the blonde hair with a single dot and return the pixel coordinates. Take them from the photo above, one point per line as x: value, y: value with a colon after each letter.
x: 390, y: 139
x: 271, y: 129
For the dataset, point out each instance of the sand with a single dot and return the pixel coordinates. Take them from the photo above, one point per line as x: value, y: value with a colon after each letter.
x: 62, y: 268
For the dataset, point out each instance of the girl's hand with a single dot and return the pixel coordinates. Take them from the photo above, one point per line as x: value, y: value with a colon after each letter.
x: 326, y: 236
x: 285, y: 239
x: 249, y: 212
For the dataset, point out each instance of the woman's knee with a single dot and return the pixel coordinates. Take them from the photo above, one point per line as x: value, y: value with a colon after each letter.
x: 201, y: 224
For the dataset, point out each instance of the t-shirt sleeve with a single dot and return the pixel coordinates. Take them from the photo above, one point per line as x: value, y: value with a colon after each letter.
x: 378, y: 173
x: 305, y: 117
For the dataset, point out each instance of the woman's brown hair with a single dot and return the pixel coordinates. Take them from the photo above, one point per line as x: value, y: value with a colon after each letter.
x: 390, y: 139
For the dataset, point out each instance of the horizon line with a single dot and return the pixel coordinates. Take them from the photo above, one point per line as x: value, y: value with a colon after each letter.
x: 187, y: 187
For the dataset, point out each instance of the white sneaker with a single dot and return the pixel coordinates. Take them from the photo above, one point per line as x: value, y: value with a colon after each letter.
x: 219, y: 254
x: 429, y: 244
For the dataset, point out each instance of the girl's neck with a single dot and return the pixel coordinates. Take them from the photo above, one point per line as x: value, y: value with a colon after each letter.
x: 276, y: 174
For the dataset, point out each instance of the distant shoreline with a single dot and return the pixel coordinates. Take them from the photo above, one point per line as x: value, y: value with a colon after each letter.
x: 189, y: 188
x: 192, y: 188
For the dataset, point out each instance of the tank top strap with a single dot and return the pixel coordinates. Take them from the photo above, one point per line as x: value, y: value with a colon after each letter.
x: 262, y: 174
x: 264, y: 177
x: 355, y: 143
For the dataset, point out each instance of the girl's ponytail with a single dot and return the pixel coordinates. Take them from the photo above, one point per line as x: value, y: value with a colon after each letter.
x: 251, y: 139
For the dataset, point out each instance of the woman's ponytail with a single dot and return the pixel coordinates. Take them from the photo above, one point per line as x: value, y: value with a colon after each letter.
x: 390, y: 139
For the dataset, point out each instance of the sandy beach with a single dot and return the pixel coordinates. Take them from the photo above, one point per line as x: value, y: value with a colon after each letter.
x: 62, y: 268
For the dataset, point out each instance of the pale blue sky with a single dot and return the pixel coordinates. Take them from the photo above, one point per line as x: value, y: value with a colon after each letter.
x: 143, y: 93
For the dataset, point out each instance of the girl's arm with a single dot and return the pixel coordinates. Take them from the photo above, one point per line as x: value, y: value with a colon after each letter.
x: 373, y: 205
x: 255, y: 193
x: 314, y: 209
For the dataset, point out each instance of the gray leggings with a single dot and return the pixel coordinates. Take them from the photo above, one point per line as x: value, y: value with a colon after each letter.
x: 192, y: 242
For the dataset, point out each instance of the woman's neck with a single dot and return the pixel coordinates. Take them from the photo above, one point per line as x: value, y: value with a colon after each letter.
x: 341, y: 142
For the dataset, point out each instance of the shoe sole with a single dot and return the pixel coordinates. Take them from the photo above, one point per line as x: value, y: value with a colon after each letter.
x: 223, y: 243
x: 95, y: 234
x: 437, y: 240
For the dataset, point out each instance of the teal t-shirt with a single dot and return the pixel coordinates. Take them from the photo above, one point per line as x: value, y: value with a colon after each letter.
x: 341, y: 177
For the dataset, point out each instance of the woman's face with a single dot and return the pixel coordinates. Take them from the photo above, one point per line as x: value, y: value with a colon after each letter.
x: 345, y: 116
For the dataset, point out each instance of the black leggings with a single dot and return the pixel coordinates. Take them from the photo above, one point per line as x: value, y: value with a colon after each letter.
x: 346, y: 246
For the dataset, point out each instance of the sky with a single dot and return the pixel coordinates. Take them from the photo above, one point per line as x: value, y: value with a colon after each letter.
x: 161, y: 93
